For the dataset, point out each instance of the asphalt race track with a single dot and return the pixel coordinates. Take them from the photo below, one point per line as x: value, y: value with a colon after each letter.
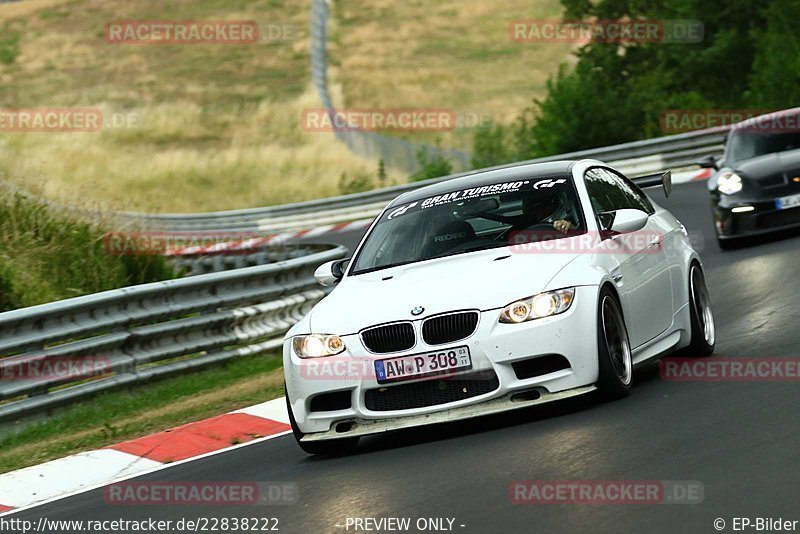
x: 740, y: 440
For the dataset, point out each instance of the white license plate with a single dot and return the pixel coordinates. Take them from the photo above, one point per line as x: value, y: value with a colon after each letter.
x: 440, y: 362
x: 787, y: 202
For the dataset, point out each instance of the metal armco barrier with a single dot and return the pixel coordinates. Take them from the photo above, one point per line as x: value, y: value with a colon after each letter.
x: 673, y: 152
x: 226, y: 260
x: 135, y: 334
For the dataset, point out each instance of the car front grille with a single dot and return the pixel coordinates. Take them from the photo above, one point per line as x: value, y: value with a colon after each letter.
x: 449, y: 328
x: 779, y: 218
x: 431, y: 392
x: 387, y: 338
x: 773, y: 180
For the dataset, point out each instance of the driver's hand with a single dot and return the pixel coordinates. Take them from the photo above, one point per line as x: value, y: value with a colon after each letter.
x: 562, y: 226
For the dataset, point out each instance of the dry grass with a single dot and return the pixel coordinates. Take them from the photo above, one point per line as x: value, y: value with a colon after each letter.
x: 213, y: 127
x: 172, y: 162
x: 218, y: 127
x: 453, y: 54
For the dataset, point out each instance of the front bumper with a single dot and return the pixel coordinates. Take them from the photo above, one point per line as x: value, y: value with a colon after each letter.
x: 494, y: 348
x: 763, y: 218
x: 362, y: 427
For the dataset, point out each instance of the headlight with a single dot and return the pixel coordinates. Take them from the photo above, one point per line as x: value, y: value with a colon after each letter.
x: 538, y: 306
x: 317, y: 345
x: 729, y: 183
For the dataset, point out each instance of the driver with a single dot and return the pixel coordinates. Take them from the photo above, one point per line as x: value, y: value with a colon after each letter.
x: 540, y: 208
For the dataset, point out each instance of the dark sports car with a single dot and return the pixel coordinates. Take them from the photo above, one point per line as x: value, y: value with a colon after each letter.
x: 755, y: 187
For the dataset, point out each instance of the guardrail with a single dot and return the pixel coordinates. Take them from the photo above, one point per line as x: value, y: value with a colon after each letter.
x: 228, y: 256
x: 132, y: 335
x: 672, y: 152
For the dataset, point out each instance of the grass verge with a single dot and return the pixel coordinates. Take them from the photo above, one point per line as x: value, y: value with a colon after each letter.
x: 48, y: 255
x: 118, y: 416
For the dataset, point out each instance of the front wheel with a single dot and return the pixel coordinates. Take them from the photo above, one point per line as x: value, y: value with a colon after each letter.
x: 330, y: 447
x: 613, y: 349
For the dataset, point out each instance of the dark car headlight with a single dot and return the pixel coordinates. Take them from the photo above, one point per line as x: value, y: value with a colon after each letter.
x: 729, y: 183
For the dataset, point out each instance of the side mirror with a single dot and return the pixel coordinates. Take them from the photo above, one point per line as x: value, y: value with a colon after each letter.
x: 627, y: 220
x: 329, y: 274
x: 708, y: 162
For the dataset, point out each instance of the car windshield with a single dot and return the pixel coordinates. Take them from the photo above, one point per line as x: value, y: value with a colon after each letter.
x: 483, y: 217
x: 750, y: 144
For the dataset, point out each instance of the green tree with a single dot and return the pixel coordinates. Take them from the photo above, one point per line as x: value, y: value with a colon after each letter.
x: 357, y: 184
x: 775, y: 80
x: 748, y: 57
x: 489, y: 146
x: 432, y: 165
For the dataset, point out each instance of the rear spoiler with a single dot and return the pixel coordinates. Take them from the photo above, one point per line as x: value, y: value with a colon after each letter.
x: 652, y: 180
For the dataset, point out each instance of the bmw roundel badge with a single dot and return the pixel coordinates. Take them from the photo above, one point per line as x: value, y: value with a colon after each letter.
x: 417, y: 310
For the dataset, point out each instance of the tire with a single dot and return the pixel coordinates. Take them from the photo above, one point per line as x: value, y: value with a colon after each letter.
x: 328, y: 447
x: 701, y: 316
x: 613, y: 349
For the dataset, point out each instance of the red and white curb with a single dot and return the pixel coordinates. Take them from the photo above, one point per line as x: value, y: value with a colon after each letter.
x: 274, y: 239
x: 88, y: 470
x: 684, y: 177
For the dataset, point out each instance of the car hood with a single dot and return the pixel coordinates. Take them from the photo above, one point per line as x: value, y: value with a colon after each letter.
x: 771, y: 169
x: 478, y: 280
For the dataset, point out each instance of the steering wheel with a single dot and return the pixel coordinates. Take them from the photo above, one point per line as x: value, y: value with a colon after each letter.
x: 540, y: 226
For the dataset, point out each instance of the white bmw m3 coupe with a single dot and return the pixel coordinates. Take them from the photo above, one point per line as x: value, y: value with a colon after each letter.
x: 494, y: 291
